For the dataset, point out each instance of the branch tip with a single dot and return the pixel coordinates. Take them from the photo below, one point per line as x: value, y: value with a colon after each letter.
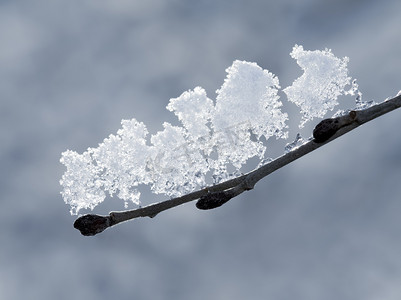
x: 90, y: 224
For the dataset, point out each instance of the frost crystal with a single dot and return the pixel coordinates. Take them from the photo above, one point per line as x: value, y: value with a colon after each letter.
x: 264, y: 161
x: 177, y: 165
x: 249, y: 95
x: 354, y: 91
x: 215, y: 139
x: 247, y: 103
x: 324, y: 79
x: 299, y: 141
x: 193, y: 109
x: 117, y: 165
x: 80, y: 190
x: 122, y: 159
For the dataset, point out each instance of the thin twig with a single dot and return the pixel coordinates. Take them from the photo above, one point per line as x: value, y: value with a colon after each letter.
x: 214, y: 196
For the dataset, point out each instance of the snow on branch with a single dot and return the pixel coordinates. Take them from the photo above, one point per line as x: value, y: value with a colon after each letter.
x: 215, y: 196
x: 202, y: 159
x: 213, y: 137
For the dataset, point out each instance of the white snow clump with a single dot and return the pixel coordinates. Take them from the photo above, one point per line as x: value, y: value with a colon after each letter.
x: 324, y: 79
x: 213, y: 136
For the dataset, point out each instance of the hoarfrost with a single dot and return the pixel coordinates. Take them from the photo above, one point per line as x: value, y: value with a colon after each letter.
x: 264, y: 161
x: 234, y: 146
x: 247, y: 103
x: 122, y: 158
x: 194, y: 110
x: 215, y: 138
x: 324, y: 79
x: 80, y: 190
x: 354, y: 91
x: 364, y: 104
x: 340, y: 113
x: 249, y: 95
x: 177, y: 166
x: 299, y: 141
x: 116, y: 166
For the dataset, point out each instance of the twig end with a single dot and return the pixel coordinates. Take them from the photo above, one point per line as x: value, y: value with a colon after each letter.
x: 90, y: 224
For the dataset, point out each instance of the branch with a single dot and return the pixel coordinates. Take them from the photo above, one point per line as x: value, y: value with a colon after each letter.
x: 215, y: 196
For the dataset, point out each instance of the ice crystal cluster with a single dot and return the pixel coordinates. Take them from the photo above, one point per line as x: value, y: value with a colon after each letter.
x: 215, y: 135
x: 324, y: 79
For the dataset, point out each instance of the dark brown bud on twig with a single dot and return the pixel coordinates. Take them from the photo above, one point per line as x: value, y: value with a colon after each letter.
x: 91, y: 224
x: 213, y: 200
x: 326, y: 129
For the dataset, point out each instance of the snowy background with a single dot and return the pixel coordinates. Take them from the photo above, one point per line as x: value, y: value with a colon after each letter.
x: 324, y: 227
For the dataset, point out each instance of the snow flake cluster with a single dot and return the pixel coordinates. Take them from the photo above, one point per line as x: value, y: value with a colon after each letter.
x: 324, y: 79
x: 215, y: 135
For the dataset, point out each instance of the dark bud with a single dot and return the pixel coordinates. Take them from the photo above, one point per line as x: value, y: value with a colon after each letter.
x: 325, y: 130
x: 213, y: 200
x: 91, y: 224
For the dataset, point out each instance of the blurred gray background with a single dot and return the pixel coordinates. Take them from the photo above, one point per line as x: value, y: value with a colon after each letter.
x: 324, y: 227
